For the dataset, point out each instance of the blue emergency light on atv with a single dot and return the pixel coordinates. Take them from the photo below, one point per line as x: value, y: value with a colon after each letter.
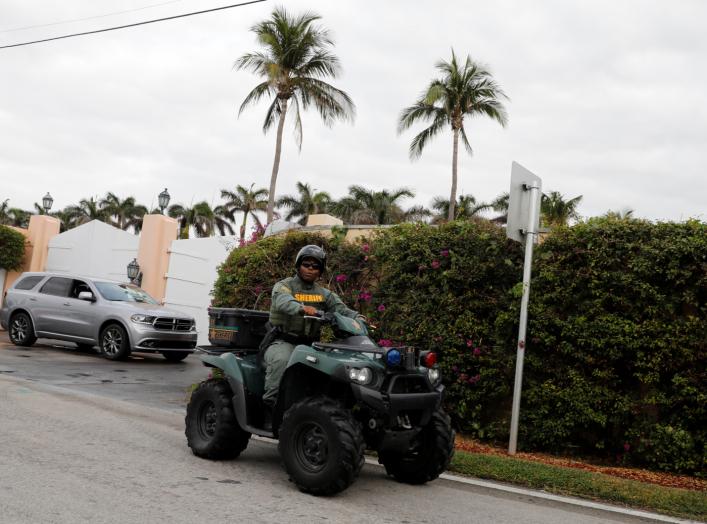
x: 336, y: 400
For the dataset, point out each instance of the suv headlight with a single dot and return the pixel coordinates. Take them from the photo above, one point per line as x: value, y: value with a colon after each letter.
x: 142, y: 319
x: 361, y: 375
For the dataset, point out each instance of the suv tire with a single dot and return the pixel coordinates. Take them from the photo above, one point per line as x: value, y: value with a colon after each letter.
x: 21, y: 330
x: 211, y: 427
x: 114, y: 342
x: 429, y: 458
x: 321, y: 445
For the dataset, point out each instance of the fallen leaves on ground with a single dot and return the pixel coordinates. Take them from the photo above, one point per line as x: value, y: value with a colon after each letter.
x: 641, y: 475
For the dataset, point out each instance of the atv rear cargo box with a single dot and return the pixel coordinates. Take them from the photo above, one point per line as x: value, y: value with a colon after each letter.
x: 236, y: 328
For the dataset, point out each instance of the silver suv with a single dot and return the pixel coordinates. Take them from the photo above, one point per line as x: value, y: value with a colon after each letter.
x: 119, y: 318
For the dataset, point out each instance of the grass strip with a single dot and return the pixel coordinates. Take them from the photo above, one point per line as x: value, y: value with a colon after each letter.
x: 585, y: 484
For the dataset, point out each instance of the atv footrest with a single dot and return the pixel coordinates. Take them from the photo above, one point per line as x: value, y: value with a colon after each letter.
x: 220, y: 350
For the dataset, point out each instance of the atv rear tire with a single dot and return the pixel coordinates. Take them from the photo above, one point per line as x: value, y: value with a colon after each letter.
x: 321, y: 445
x: 211, y: 427
x: 429, y: 457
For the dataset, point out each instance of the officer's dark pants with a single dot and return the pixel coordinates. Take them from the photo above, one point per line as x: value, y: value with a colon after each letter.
x: 276, y: 358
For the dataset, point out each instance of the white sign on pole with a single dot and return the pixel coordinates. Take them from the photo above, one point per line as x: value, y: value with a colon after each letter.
x: 522, y: 226
x: 519, y: 202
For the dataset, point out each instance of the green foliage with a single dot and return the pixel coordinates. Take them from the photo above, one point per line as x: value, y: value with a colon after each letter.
x: 574, y: 482
x: 616, y: 353
x: 12, y: 248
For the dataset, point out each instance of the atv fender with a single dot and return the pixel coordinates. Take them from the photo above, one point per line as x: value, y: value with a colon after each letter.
x: 226, y: 363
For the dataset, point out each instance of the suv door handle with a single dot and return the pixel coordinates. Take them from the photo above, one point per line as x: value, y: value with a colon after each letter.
x: 32, y: 299
x: 67, y: 303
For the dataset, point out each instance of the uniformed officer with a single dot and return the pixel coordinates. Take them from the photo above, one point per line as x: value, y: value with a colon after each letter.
x: 292, y: 298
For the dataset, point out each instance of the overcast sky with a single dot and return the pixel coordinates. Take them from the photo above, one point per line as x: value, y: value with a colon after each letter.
x: 607, y: 100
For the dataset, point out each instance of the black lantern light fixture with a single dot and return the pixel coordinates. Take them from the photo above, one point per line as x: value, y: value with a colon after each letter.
x: 133, y: 270
x: 47, y: 202
x: 163, y: 200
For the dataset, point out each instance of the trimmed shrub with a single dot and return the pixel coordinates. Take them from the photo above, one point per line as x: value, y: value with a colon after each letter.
x: 616, y: 362
x: 617, y: 358
x: 12, y: 248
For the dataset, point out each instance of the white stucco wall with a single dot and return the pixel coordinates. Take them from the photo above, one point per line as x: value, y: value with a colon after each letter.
x: 191, y: 276
x: 94, y: 249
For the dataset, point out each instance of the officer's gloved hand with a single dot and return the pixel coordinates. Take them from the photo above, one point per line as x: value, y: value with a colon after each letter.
x: 361, y: 318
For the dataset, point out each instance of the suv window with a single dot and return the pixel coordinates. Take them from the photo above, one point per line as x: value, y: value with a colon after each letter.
x: 28, y: 282
x: 57, y: 286
x: 77, y: 287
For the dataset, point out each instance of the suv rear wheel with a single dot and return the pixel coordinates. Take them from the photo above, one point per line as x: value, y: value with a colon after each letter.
x: 22, y: 330
x: 114, y: 342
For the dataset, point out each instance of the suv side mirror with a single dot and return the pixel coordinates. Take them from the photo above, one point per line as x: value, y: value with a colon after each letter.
x: 86, y: 295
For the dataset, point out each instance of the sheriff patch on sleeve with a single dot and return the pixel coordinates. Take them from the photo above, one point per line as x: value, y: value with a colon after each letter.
x: 304, y: 297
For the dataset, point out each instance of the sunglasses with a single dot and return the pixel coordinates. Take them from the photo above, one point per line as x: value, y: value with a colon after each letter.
x: 311, y: 265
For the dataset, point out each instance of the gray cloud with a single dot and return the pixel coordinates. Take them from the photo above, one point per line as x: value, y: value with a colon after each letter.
x: 607, y: 101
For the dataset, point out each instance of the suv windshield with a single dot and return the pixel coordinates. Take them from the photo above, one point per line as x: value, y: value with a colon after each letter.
x: 123, y: 293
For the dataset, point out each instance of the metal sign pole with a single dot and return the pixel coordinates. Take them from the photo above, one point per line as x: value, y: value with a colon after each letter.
x: 530, y: 233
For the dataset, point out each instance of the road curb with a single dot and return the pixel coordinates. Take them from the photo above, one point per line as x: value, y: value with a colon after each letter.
x: 175, y: 420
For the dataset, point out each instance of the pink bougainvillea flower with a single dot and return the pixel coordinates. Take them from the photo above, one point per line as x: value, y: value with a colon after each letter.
x: 455, y: 368
x: 435, y: 264
x: 469, y: 343
x: 385, y: 343
x: 444, y: 253
x: 258, y: 289
x: 365, y: 296
x: 627, y: 447
x: 365, y: 248
x: 341, y: 278
x: 477, y: 352
x: 381, y: 308
x: 365, y: 259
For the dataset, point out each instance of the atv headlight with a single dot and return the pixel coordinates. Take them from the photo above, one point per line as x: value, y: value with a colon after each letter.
x: 361, y: 375
x: 433, y: 374
x: 142, y: 319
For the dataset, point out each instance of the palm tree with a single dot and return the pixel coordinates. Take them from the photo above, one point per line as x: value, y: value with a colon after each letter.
x: 200, y: 217
x: 309, y: 202
x: 223, y: 217
x: 556, y: 211
x: 124, y: 213
x: 4, y: 208
x: 465, y: 208
x: 17, y: 217
x: 247, y: 201
x: 294, y: 61
x: 624, y: 214
x: 461, y: 92
x: 364, y: 206
x: 500, y: 205
x: 85, y: 211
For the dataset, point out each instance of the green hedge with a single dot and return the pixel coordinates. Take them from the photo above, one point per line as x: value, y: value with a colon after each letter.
x: 12, y: 248
x: 616, y: 354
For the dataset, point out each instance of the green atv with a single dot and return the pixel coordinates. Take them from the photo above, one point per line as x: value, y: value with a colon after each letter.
x: 335, y: 401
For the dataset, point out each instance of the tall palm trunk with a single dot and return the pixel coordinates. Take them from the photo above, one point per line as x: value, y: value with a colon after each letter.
x: 245, y: 217
x: 276, y: 162
x: 453, y: 196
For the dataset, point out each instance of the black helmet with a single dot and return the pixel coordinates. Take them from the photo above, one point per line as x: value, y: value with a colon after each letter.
x: 311, y: 251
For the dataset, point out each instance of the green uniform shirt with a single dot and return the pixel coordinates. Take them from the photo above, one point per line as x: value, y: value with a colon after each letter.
x: 288, y: 298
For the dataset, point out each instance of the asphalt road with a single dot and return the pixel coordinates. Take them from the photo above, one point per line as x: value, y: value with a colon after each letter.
x: 88, y: 440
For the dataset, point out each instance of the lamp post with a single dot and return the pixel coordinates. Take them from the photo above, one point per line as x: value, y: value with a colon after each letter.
x: 163, y: 200
x: 133, y: 270
x: 47, y: 202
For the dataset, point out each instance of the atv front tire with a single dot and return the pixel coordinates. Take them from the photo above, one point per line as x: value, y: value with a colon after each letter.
x: 211, y: 427
x: 429, y: 457
x: 321, y: 445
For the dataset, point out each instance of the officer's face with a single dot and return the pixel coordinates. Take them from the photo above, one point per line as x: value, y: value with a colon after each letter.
x: 310, y: 270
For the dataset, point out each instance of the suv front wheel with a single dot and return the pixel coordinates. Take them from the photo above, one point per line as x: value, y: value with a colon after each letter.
x: 22, y: 330
x: 114, y: 342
